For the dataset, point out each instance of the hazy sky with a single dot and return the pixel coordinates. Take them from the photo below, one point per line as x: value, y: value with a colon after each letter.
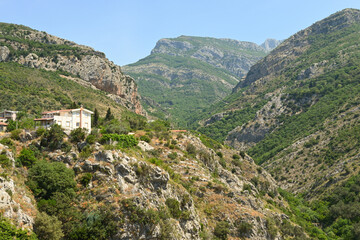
x: 127, y: 30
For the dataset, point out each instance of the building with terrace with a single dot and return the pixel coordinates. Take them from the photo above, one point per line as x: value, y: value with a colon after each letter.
x: 68, y: 119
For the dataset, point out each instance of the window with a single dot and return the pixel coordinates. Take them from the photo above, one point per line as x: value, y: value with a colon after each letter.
x: 78, y: 124
x: 68, y: 123
x: 59, y: 122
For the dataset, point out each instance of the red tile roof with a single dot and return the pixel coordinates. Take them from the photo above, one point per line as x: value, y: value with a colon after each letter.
x: 3, y: 124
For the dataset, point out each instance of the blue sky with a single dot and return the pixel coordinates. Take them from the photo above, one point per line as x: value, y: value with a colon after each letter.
x: 127, y: 30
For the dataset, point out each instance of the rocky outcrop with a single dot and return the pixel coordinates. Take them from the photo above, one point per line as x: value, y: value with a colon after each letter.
x: 15, y: 202
x: 235, y: 56
x: 270, y: 44
x: 54, y: 53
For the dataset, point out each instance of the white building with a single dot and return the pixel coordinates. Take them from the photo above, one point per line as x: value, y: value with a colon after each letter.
x: 7, y: 114
x: 68, y: 119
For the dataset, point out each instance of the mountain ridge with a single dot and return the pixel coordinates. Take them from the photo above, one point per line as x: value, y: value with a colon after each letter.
x: 37, y: 49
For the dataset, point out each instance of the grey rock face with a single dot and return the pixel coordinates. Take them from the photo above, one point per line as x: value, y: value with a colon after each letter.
x: 270, y: 44
x: 4, y: 53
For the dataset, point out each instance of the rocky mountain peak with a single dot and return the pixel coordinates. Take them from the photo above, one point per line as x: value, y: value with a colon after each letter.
x: 270, y: 44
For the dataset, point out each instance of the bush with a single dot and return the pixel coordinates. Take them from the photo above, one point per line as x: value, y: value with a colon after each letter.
x: 191, y: 149
x: 85, y: 179
x: 244, y: 228
x: 124, y: 141
x: 8, y: 231
x: 40, y: 131
x: 222, y: 162
x: 145, y: 139
x: 4, y: 161
x: 116, y: 127
x: 47, y: 227
x: 174, y: 207
x: 53, y: 138
x: 222, y: 230
x: 45, y: 179
x: 91, y: 139
x: 172, y: 155
x: 235, y: 156
x: 77, y: 135
x: 15, y: 134
x: 7, y: 141
x: 220, y: 154
x: 27, y: 157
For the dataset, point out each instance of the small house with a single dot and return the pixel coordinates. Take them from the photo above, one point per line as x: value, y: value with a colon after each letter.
x: 9, y: 115
x: 68, y: 119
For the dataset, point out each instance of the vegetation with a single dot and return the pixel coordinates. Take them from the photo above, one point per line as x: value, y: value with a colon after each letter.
x: 180, y: 97
x: 9, y: 232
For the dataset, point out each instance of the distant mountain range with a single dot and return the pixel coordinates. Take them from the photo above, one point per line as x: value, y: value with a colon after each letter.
x: 186, y: 74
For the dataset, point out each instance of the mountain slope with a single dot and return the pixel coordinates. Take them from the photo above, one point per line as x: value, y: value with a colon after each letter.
x: 40, y: 50
x: 186, y: 74
x: 302, y: 105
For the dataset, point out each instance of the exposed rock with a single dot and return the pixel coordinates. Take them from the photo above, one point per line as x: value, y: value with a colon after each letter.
x: 106, y: 156
x: 4, y: 53
x: 145, y: 146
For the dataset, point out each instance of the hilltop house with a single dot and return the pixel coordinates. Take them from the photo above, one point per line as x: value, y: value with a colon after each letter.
x: 8, y: 114
x: 68, y: 119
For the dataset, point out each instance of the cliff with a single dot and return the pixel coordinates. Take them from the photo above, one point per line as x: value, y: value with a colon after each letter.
x: 40, y: 50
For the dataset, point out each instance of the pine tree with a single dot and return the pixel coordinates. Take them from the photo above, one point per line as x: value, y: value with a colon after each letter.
x: 109, y: 115
x: 96, y: 117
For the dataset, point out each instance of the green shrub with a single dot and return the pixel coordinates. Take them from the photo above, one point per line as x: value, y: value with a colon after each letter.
x: 220, y: 154
x: 27, y: 157
x: 7, y: 141
x: 40, y: 131
x: 45, y: 179
x: 172, y: 155
x: 4, y: 161
x: 85, y: 179
x: 174, y: 207
x: 235, y: 156
x: 91, y: 139
x: 15, y: 134
x: 243, y: 227
x: 222, y: 230
x: 145, y: 138
x: 86, y: 152
x: 9, y: 232
x: 53, y: 138
x: 191, y: 149
x: 47, y: 227
x: 77, y: 135
x: 124, y: 141
x: 222, y: 162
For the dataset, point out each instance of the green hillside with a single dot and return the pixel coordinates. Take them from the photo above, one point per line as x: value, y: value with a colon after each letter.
x: 32, y: 91
x: 185, y: 75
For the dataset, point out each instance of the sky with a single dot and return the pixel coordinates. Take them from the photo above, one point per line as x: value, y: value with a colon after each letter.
x: 127, y: 30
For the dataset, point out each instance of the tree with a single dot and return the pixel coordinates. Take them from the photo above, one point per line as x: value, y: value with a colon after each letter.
x: 77, y: 135
x: 45, y: 179
x: 109, y: 115
x: 47, y: 227
x: 73, y: 105
x: 96, y: 117
x: 27, y: 157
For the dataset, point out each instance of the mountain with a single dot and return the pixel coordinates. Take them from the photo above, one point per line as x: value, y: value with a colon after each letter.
x: 173, y: 186
x: 297, y: 110
x: 40, y: 50
x: 183, y: 75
